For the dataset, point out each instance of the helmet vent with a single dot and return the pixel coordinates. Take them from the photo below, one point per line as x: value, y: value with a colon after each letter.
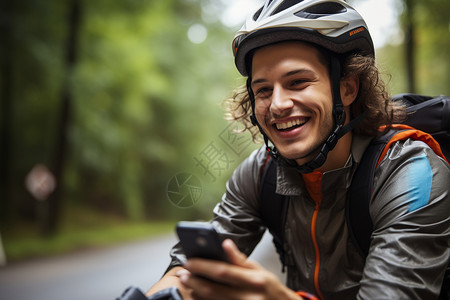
x: 256, y: 15
x: 285, y: 5
x: 321, y: 10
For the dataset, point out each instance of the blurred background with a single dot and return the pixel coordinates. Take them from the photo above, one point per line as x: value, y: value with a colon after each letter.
x: 111, y: 127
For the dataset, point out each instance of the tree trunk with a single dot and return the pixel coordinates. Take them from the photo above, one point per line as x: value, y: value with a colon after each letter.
x: 6, y: 96
x: 55, y: 200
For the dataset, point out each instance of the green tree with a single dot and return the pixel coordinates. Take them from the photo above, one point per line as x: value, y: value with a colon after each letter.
x: 146, y: 99
x: 433, y: 43
x: 143, y: 101
x: 30, y: 83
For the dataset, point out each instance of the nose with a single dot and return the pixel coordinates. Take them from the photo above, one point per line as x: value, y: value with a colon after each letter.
x: 281, y: 101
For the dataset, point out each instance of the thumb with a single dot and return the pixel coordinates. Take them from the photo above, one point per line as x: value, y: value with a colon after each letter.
x: 235, y: 256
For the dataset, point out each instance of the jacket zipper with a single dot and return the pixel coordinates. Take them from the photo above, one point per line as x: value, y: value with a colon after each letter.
x: 316, y: 248
x: 313, y: 182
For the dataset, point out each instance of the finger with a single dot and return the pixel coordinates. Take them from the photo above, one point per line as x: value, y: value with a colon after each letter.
x: 235, y: 256
x: 204, y: 289
x: 214, y: 270
x: 182, y: 272
x: 201, y: 287
x: 242, y: 276
x: 204, y: 267
x: 238, y: 258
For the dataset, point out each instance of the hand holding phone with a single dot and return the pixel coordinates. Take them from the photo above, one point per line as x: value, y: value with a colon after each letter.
x: 200, y: 240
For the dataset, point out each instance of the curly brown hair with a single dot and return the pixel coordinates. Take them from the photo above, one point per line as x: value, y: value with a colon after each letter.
x: 373, y: 99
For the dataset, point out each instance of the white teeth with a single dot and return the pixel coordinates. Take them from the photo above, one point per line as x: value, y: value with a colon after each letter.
x: 289, y: 124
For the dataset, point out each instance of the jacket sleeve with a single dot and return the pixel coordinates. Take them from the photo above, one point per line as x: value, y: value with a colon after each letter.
x: 237, y: 215
x: 410, y: 244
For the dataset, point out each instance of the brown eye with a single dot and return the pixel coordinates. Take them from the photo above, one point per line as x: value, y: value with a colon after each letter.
x: 298, y: 82
x: 263, y: 92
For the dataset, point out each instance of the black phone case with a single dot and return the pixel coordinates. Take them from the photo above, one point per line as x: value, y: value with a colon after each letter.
x: 200, y: 240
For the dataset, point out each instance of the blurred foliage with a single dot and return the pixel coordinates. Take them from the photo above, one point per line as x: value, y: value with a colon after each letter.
x: 145, y: 101
x: 432, y: 45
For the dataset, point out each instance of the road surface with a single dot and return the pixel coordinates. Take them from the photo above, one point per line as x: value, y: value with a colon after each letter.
x: 101, y: 274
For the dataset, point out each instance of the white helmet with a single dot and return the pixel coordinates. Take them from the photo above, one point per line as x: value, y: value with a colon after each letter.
x: 332, y: 24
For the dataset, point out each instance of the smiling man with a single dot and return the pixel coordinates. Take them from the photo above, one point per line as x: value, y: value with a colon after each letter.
x: 292, y: 94
x: 314, y: 94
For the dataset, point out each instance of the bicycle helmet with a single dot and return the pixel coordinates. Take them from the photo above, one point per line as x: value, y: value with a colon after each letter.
x: 331, y: 24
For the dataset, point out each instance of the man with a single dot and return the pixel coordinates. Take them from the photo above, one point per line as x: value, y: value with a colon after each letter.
x: 315, y: 95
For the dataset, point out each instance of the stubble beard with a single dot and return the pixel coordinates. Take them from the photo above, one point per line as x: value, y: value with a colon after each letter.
x: 315, y: 148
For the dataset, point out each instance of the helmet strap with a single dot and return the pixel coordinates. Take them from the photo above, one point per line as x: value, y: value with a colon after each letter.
x: 335, y: 78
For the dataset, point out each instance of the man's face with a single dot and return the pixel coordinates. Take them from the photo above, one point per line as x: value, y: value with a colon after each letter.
x: 293, y: 102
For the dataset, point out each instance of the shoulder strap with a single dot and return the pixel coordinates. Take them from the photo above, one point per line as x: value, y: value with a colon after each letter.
x: 359, y: 223
x: 358, y: 197
x: 273, y: 207
x: 357, y: 214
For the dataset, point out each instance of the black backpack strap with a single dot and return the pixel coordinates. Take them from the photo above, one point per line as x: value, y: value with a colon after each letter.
x: 273, y: 207
x: 359, y: 223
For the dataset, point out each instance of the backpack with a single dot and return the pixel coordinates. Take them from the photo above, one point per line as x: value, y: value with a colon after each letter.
x: 431, y: 115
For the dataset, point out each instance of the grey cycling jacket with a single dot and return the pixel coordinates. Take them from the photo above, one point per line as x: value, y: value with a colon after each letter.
x: 410, y: 244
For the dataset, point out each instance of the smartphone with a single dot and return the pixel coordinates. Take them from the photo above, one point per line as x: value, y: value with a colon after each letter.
x: 200, y: 240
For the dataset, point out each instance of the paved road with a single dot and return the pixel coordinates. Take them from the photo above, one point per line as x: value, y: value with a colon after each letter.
x: 100, y: 274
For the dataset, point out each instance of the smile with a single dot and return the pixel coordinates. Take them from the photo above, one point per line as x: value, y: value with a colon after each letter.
x: 291, y: 124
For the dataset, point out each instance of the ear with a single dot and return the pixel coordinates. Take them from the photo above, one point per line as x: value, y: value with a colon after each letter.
x: 349, y: 89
